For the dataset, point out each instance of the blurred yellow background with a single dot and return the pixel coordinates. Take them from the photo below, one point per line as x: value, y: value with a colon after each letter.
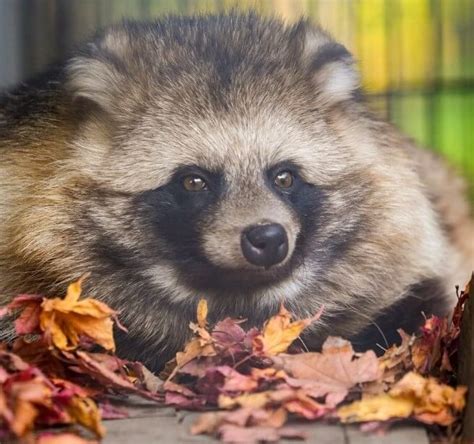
x: 416, y: 56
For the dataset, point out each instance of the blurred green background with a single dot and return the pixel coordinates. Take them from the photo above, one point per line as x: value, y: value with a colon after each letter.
x: 416, y: 56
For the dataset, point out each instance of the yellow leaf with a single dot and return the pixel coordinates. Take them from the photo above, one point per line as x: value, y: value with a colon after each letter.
x: 84, y: 411
x: 200, y: 346
x: 433, y: 402
x: 279, y: 333
x: 194, y: 349
x: 202, y: 313
x: 66, y: 320
x: 377, y: 408
x: 424, y: 399
x: 250, y: 400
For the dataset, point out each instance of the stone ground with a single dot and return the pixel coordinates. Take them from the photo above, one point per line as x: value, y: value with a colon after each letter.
x: 151, y: 424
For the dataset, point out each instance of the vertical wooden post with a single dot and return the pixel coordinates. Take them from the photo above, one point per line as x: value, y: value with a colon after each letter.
x: 466, y: 365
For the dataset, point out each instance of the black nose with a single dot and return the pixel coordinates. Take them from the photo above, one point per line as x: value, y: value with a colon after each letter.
x: 264, y: 245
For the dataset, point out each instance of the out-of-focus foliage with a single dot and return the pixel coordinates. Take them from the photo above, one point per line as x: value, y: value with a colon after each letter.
x: 416, y: 56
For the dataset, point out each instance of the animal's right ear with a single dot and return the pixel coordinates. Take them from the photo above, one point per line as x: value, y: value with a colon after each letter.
x: 98, y: 74
x: 92, y: 80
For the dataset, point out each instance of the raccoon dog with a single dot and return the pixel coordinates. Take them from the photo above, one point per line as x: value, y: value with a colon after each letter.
x: 228, y: 157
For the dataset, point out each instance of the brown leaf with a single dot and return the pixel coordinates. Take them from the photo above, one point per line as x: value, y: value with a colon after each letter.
x: 150, y: 381
x: 398, y: 355
x: 330, y: 373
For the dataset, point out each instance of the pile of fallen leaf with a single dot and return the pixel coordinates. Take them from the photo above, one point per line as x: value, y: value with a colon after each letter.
x: 61, y: 368
x: 257, y: 386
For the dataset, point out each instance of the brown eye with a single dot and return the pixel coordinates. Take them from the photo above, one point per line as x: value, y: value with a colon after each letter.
x: 194, y: 183
x: 284, y: 179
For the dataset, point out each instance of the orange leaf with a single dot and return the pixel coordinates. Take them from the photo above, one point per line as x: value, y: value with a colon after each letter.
x: 66, y: 320
x: 200, y: 346
x: 424, y: 399
x: 25, y: 414
x: 433, y: 402
x: 194, y: 349
x: 202, y: 313
x: 279, y: 333
x: 84, y: 411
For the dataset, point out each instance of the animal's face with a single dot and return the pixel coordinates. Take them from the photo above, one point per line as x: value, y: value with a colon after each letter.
x: 227, y: 205
x: 221, y: 180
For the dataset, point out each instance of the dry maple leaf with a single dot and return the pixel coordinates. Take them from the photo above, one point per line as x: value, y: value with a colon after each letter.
x: 279, y: 332
x: 330, y: 373
x: 66, y: 320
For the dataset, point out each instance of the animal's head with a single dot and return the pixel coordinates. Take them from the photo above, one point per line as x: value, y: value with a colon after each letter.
x: 219, y: 150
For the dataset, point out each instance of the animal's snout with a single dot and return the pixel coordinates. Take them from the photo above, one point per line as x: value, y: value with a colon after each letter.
x: 264, y: 245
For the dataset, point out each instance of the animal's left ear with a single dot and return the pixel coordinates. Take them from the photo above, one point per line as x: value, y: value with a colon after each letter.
x: 330, y: 64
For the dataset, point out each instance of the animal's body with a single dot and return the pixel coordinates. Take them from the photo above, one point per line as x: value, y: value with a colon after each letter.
x: 226, y: 157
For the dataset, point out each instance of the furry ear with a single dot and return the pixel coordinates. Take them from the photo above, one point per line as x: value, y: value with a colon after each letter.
x: 93, y: 80
x: 331, y: 66
x: 97, y: 73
